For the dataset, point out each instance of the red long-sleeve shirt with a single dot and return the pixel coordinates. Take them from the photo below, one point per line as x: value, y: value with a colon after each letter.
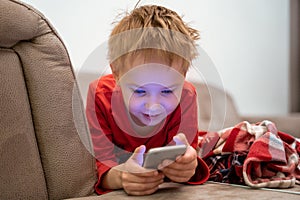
x: 113, y: 138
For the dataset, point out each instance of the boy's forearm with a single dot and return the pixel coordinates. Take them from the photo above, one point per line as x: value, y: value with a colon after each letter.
x: 112, y: 179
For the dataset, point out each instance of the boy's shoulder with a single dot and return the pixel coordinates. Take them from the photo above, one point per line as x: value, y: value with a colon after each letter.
x: 188, y: 88
x: 104, y: 83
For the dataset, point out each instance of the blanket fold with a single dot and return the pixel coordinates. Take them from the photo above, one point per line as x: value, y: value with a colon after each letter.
x: 257, y: 155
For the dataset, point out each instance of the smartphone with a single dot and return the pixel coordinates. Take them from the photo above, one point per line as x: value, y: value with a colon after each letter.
x: 157, y: 155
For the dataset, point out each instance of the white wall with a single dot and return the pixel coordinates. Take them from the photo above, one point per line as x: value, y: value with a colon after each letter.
x: 247, y: 41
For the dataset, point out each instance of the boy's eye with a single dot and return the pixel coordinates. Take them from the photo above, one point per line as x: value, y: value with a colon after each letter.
x: 139, y: 91
x: 167, y: 91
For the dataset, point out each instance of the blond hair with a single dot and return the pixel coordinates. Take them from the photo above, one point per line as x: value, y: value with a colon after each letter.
x: 153, y: 29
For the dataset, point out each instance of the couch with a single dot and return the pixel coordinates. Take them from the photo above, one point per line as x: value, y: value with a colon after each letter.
x: 41, y: 149
x: 45, y: 148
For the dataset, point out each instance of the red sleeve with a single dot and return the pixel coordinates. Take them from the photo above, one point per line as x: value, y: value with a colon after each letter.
x: 201, y: 174
x: 188, y: 124
x: 100, y: 134
x: 185, y: 119
x: 101, y: 169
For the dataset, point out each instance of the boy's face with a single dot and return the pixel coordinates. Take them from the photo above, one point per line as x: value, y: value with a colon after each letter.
x: 151, y: 91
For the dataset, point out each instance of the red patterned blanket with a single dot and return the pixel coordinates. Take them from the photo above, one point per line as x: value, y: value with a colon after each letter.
x: 256, y: 155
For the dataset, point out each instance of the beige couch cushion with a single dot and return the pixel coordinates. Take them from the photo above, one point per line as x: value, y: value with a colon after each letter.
x: 40, y: 138
x: 216, y: 108
x: 21, y: 173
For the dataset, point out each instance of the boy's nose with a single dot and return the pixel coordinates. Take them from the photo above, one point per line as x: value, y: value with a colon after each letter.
x: 152, y: 102
x: 154, y: 109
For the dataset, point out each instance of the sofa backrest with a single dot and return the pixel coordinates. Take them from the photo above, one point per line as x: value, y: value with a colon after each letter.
x: 216, y: 108
x: 41, y: 122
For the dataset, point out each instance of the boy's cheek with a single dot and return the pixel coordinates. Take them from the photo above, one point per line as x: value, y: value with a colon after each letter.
x: 129, y: 99
x: 170, y: 104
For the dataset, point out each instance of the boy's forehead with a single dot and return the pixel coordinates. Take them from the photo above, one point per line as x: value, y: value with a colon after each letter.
x: 150, y: 56
x: 149, y: 73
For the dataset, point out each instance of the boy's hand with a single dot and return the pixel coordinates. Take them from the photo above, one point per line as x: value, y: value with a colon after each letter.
x: 184, y: 166
x: 137, y: 180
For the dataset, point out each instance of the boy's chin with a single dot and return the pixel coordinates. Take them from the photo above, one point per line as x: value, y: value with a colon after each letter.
x: 153, y: 123
x: 150, y: 123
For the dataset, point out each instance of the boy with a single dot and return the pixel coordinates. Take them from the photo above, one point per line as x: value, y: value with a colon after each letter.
x: 145, y: 103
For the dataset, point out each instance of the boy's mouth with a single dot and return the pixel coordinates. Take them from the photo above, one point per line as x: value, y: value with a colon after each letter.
x: 150, y: 115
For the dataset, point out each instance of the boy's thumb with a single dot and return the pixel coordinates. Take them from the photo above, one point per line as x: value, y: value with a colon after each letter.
x: 138, y: 154
x: 180, y: 139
